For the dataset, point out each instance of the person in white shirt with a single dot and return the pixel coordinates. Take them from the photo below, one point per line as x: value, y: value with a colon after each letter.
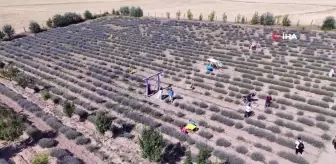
x: 160, y: 93
x: 248, y: 111
x: 299, y: 146
x: 332, y: 73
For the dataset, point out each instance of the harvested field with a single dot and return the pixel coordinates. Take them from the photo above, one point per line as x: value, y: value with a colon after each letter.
x: 89, y: 64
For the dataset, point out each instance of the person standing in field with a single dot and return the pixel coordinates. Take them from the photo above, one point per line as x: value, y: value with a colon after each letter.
x: 299, y: 146
x: 268, y: 100
x: 171, y: 94
x: 160, y: 93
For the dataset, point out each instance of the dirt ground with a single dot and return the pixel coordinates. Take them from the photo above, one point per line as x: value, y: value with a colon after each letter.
x: 19, y: 12
x: 26, y: 155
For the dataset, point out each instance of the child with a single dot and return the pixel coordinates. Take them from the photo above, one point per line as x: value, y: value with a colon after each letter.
x: 160, y: 93
x: 171, y: 94
x: 248, y: 111
x: 299, y: 146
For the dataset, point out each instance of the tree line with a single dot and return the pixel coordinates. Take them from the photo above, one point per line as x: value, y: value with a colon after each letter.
x: 58, y: 20
x: 267, y: 18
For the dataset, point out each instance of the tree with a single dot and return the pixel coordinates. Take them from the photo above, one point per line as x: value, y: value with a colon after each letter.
x: 133, y: 12
x: 203, y: 155
x: 224, y: 17
x: 151, y: 144
x: 329, y: 23
x: 124, y: 10
x: 88, y: 15
x: 118, y: 12
x: 188, y: 159
x: 286, y: 21
x: 106, y: 13
x: 49, y: 23
x: 103, y: 122
x: 255, y: 18
x: 298, y: 23
x: 136, y: 12
x: 189, y: 15
x: 212, y: 16
x: 66, y: 19
x: 168, y: 15
x: 243, y: 20
x: 34, y: 27
x: 113, y: 12
x: 238, y: 18
x: 58, y: 21
x: 11, y: 125
x: 277, y: 20
x: 2, y: 35
x: 139, y: 12
x: 68, y: 108
x: 200, y: 17
x: 267, y: 19
x: 8, y: 30
x: 178, y: 14
x: 42, y: 158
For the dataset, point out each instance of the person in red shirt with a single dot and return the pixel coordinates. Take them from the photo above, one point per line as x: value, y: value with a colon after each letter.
x: 268, y: 100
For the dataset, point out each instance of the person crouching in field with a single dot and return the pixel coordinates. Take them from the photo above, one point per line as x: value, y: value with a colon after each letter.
x: 248, y: 111
x: 299, y: 146
x: 268, y: 101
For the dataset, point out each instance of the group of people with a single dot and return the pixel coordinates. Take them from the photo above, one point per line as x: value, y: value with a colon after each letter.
x: 248, y: 99
x: 170, y: 92
x: 190, y: 126
x: 299, y: 145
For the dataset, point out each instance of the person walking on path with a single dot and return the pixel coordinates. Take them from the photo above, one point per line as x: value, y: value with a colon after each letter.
x: 160, y: 93
x: 248, y: 111
x: 299, y: 146
x: 334, y: 143
x: 268, y: 100
x: 171, y: 94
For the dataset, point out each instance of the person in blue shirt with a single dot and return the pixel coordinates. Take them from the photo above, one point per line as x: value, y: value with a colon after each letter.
x: 171, y: 94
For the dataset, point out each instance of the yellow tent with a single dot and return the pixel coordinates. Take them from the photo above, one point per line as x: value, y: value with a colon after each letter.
x: 190, y: 127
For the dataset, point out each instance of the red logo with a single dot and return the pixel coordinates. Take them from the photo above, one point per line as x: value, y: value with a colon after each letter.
x: 276, y: 36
